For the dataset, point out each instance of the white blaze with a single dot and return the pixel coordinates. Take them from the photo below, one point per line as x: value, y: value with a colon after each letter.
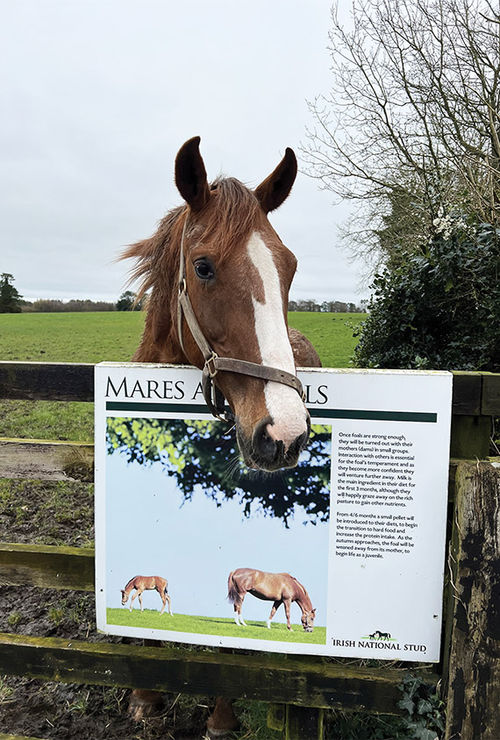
x: 283, y: 403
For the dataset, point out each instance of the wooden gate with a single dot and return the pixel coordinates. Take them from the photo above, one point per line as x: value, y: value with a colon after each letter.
x: 298, y: 689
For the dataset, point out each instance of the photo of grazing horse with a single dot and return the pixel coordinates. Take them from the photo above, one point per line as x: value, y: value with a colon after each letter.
x: 282, y: 588
x: 218, y: 277
x: 147, y: 583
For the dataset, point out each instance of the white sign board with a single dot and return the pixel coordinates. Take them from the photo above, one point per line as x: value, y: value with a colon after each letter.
x: 359, y: 525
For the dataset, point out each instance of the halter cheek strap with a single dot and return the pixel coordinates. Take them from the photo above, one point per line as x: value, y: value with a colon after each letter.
x: 213, y: 363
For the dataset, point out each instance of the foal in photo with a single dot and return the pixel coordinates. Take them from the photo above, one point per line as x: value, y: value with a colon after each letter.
x: 147, y: 583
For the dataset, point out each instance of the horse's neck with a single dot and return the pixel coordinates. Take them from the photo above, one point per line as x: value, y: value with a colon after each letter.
x: 302, y: 599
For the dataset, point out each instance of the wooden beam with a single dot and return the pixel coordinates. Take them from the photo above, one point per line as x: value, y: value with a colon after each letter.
x: 303, y: 722
x: 490, y: 400
x: 67, y: 381
x: 466, y: 398
x: 471, y: 678
x: 46, y: 460
x: 18, y: 737
x: 263, y: 677
x: 70, y: 568
x: 47, y: 381
x: 470, y: 437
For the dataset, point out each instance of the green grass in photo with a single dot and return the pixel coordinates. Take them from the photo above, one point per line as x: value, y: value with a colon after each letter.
x: 218, y: 626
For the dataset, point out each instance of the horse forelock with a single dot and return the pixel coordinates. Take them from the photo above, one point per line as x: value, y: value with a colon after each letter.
x: 232, y: 216
x: 227, y: 220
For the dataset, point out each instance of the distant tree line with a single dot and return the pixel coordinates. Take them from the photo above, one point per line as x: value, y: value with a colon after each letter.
x: 12, y: 302
x: 326, y: 306
x: 49, y: 305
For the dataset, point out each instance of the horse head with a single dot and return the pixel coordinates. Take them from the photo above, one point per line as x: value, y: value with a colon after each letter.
x: 237, y: 274
x: 308, y: 620
x: 124, y: 597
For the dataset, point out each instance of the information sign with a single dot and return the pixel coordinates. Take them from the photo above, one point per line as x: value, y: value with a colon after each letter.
x: 350, y: 542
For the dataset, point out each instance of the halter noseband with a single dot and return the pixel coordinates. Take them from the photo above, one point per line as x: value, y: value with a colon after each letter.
x: 213, y: 363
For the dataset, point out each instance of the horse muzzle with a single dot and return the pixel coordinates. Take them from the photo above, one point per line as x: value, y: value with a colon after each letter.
x: 265, y: 450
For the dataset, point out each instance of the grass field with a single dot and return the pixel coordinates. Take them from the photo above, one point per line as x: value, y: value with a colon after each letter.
x: 198, y: 625
x: 114, y: 336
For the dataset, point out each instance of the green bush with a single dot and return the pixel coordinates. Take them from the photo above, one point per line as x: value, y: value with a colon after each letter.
x: 439, y: 309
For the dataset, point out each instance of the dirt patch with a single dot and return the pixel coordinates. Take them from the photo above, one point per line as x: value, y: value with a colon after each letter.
x: 56, y: 514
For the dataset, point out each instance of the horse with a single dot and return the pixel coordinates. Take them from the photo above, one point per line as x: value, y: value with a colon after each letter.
x: 217, y: 277
x: 147, y: 583
x: 281, y: 588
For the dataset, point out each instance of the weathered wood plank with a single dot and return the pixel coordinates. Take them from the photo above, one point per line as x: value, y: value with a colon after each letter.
x: 46, y: 460
x: 466, y: 397
x: 18, y: 737
x: 470, y: 437
x: 276, y: 714
x: 472, y: 671
x: 271, y: 678
x: 490, y: 400
x: 47, y: 381
x: 303, y: 722
x: 60, y: 381
x: 65, y: 568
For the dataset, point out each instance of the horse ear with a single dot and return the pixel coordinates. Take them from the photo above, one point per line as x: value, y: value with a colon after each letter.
x: 190, y: 174
x: 275, y: 189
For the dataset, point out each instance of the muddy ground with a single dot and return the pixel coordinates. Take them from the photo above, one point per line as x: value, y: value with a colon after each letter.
x: 36, y: 512
x: 62, y: 513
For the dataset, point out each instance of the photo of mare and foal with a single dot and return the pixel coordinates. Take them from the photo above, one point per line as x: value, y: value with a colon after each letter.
x: 198, y: 544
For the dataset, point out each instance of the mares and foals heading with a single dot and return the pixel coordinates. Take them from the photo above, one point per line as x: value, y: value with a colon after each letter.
x: 176, y: 390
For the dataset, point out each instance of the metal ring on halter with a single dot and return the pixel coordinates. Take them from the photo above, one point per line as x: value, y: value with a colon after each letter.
x: 210, y: 365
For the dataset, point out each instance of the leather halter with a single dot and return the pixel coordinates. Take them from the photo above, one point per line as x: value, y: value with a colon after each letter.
x: 213, y: 363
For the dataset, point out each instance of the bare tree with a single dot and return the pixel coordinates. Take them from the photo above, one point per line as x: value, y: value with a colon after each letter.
x: 413, y: 116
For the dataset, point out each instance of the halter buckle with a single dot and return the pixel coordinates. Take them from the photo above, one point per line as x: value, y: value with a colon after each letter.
x: 182, y: 286
x: 210, y: 365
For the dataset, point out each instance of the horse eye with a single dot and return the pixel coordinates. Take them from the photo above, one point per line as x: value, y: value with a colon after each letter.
x: 204, y: 269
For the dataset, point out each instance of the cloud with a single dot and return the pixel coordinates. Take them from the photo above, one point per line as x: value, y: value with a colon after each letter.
x: 100, y: 96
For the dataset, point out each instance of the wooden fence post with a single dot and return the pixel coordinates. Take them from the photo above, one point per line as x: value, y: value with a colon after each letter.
x: 302, y: 723
x: 472, y: 672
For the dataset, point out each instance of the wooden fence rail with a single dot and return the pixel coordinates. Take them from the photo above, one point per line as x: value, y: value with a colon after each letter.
x: 471, y: 625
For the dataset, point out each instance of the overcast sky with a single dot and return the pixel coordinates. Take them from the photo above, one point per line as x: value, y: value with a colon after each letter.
x: 97, y: 96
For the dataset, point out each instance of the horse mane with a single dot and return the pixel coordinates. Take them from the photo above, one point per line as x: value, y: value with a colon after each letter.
x: 230, y: 216
x: 303, y: 590
x: 299, y: 585
x: 129, y: 582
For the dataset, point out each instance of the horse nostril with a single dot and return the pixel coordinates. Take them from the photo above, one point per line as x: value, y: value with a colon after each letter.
x: 298, y: 445
x: 263, y: 444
